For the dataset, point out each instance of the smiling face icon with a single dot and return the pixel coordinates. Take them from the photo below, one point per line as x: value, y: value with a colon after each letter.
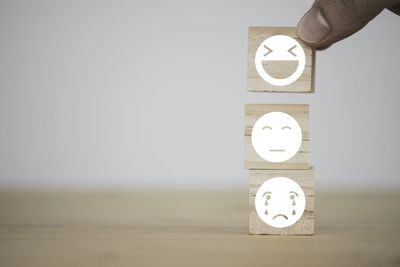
x: 280, y: 202
x: 280, y: 60
x: 276, y: 136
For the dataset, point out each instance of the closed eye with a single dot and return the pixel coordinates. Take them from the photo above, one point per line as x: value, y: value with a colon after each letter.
x: 269, y: 50
x: 267, y: 127
x: 286, y: 127
x: 291, y: 52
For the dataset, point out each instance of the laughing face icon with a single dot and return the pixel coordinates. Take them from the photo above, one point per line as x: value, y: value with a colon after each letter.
x: 280, y: 60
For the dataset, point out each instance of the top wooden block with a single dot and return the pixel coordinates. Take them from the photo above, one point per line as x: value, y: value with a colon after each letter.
x: 279, y: 61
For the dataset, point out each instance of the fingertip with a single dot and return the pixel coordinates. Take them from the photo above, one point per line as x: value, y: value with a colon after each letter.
x: 313, y: 27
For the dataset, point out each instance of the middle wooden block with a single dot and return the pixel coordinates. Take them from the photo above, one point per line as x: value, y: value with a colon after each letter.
x: 276, y: 136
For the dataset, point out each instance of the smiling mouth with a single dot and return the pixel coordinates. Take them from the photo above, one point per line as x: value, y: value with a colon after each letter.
x: 282, y: 215
x: 280, y: 69
x: 277, y: 150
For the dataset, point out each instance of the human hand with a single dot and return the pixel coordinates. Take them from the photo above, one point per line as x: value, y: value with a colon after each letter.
x: 329, y: 21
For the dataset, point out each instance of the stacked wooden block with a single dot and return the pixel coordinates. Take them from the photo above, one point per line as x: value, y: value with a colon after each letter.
x: 281, y: 182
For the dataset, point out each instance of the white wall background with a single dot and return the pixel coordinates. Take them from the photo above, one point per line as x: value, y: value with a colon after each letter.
x: 141, y: 94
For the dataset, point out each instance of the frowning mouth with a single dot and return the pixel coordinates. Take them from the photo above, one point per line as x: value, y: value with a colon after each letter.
x: 277, y: 150
x: 284, y: 216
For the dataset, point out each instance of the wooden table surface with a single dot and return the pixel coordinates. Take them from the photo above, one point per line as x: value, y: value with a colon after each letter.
x: 190, y: 229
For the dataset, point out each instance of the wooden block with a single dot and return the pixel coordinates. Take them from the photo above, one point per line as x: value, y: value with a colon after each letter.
x: 304, y: 225
x: 253, y: 112
x: 278, y: 61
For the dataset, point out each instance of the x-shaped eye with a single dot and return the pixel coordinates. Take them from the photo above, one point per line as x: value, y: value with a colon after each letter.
x: 291, y: 52
x: 269, y: 50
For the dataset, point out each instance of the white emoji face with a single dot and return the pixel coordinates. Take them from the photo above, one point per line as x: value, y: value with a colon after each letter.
x: 276, y: 137
x: 282, y: 52
x: 280, y: 202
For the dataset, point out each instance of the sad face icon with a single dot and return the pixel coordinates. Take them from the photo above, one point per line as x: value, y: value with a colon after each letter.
x: 280, y: 202
x: 280, y: 60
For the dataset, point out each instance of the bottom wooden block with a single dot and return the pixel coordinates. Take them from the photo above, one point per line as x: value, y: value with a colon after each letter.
x: 281, y: 202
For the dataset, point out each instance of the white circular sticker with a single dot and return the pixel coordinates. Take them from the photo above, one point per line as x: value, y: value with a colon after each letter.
x: 280, y: 48
x: 280, y: 202
x: 276, y: 136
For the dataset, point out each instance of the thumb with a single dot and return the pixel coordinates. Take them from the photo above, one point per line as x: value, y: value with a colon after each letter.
x: 329, y: 21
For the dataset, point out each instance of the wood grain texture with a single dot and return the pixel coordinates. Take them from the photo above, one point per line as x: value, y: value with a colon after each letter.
x: 208, y: 228
x: 305, y: 83
x: 253, y: 112
x: 305, y: 225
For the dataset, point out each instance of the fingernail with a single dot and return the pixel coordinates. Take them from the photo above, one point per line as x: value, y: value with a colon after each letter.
x: 313, y: 27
